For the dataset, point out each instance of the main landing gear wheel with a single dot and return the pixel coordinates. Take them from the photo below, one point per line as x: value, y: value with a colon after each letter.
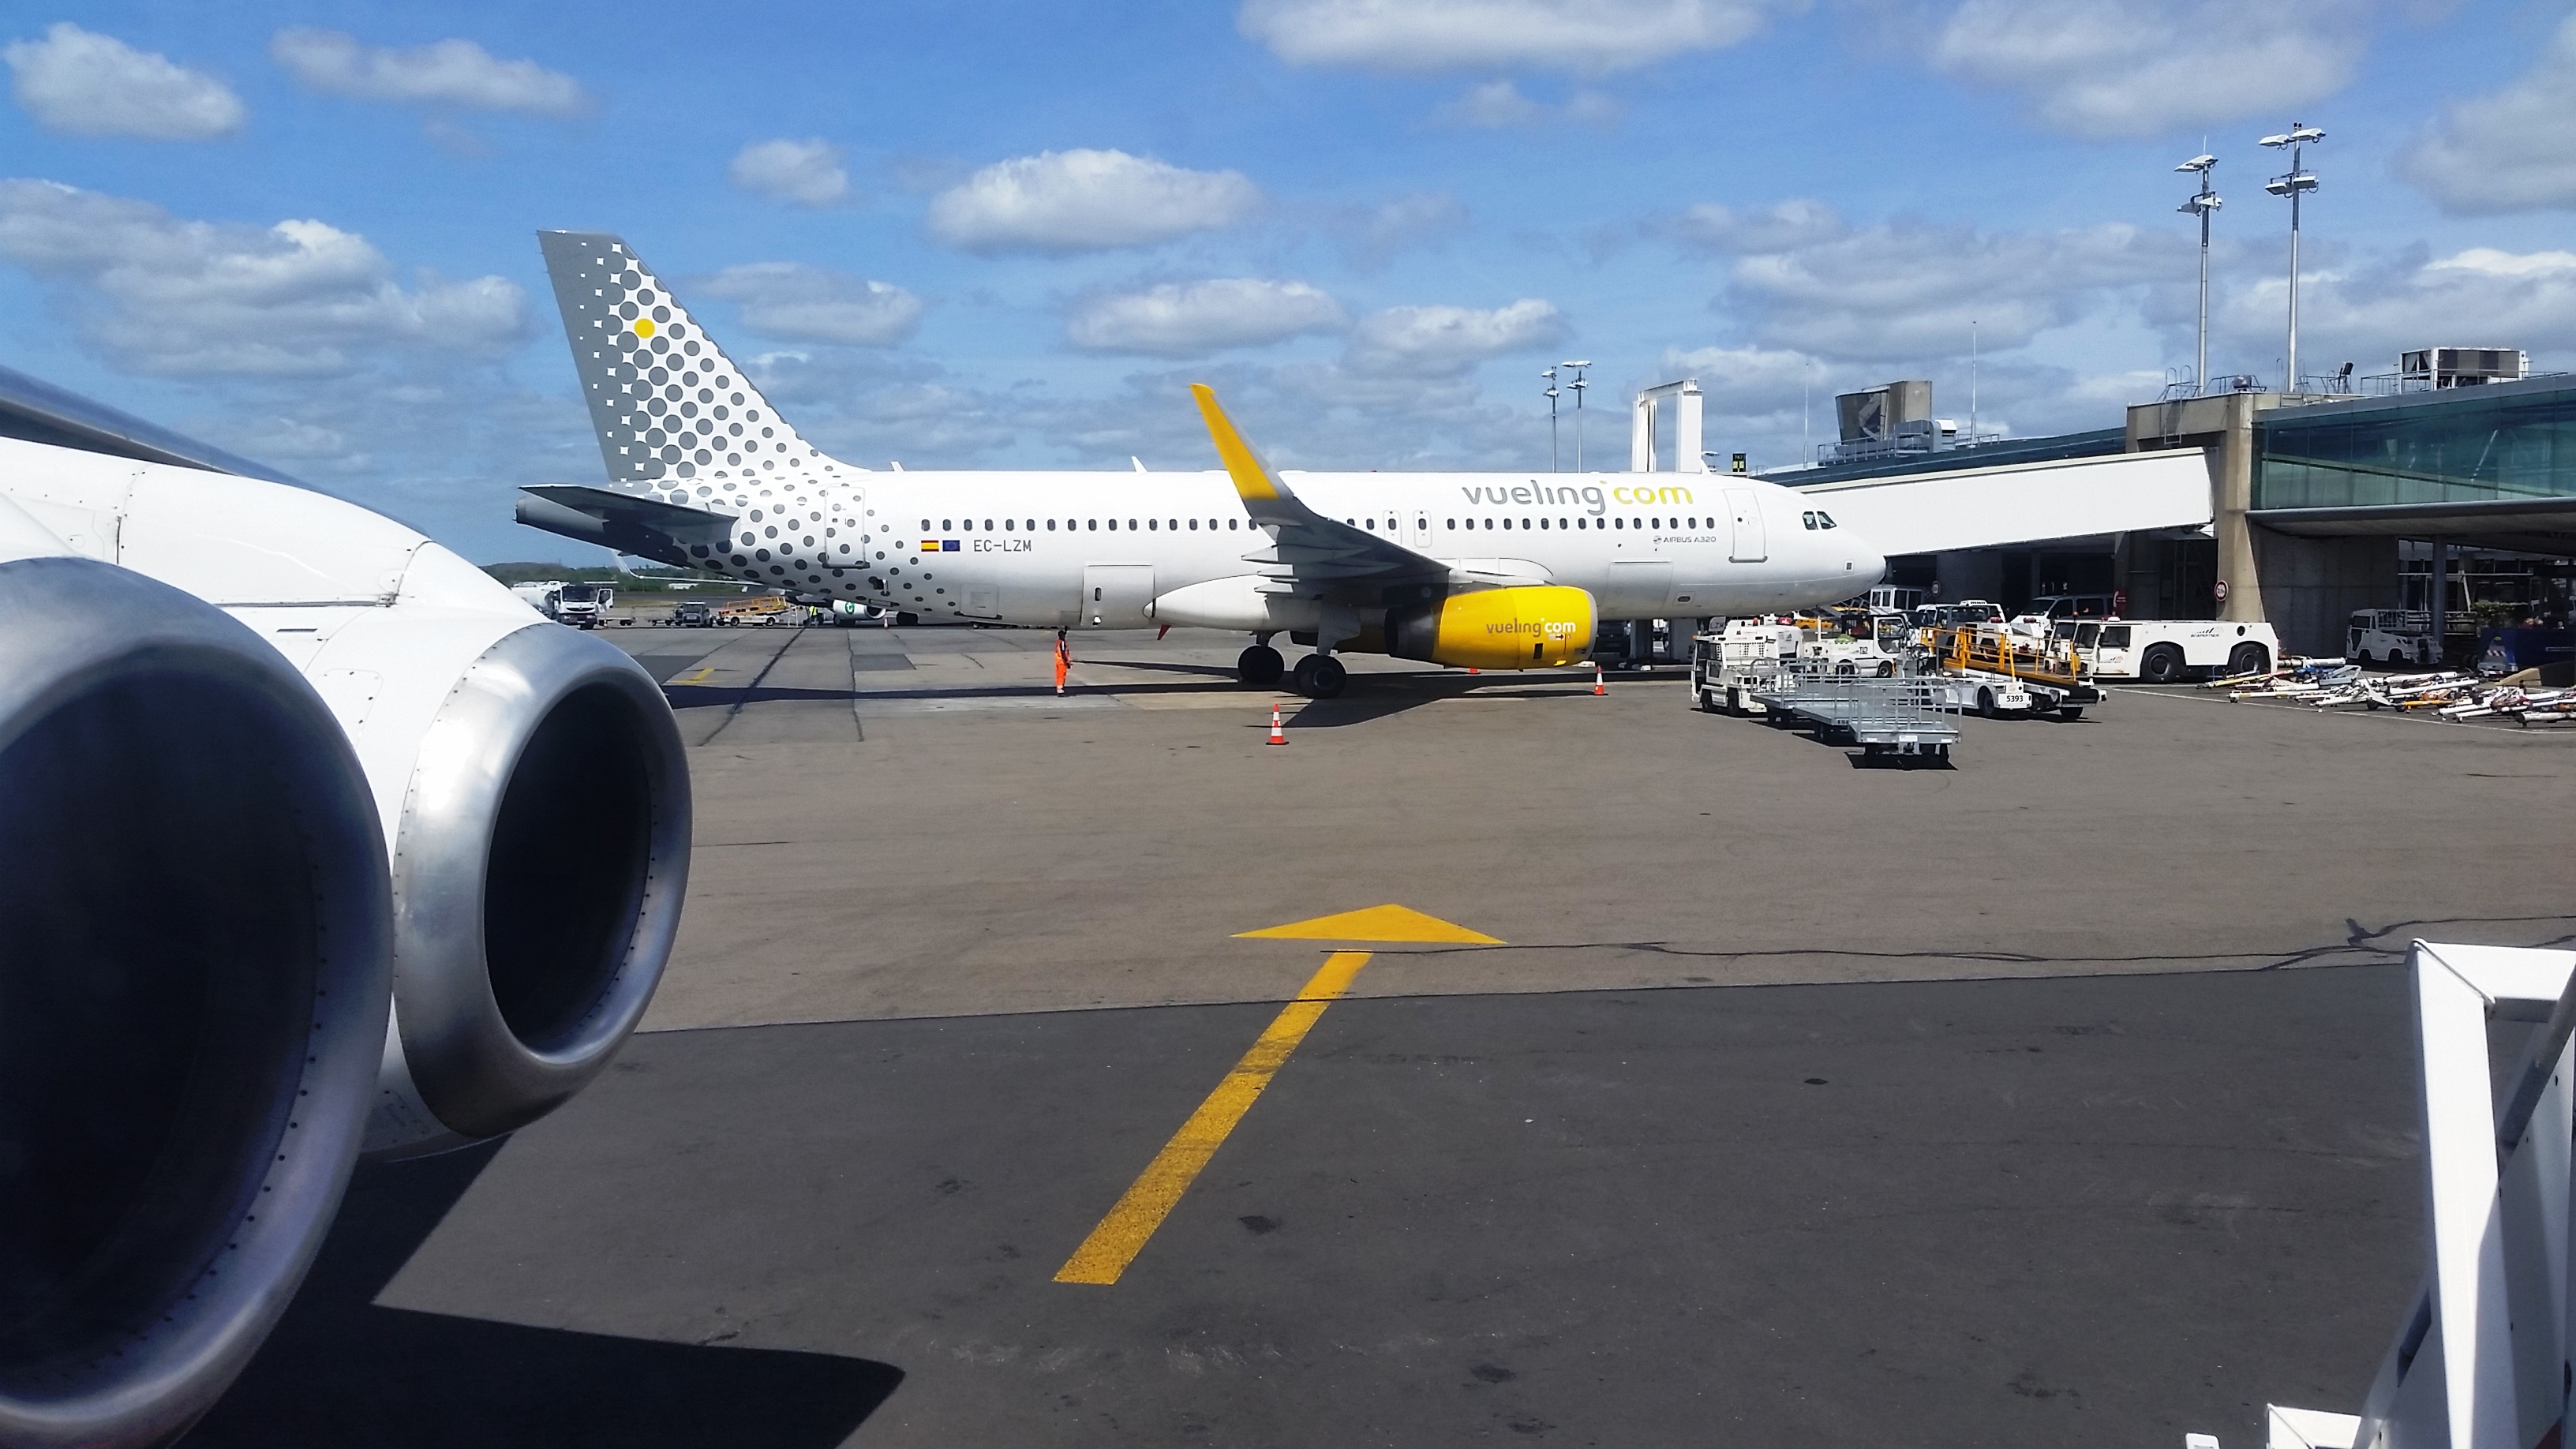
x: 1259, y: 666
x: 1319, y: 676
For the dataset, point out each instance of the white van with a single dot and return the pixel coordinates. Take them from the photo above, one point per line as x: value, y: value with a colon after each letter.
x: 2393, y: 636
x: 2167, y: 651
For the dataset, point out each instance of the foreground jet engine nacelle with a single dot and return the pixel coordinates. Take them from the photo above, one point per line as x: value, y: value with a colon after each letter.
x: 1530, y: 627
x: 528, y: 779
x: 536, y: 801
x: 192, y: 992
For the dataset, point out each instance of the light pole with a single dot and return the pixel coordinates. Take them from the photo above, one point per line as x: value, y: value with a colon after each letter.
x: 2203, y: 201
x: 1550, y: 375
x: 1578, y: 385
x: 2292, y: 185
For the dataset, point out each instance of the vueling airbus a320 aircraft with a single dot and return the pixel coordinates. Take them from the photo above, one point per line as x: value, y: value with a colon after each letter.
x: 1497, y: 571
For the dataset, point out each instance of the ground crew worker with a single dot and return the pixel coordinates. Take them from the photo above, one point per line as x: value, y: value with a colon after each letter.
x: 1063, y: 660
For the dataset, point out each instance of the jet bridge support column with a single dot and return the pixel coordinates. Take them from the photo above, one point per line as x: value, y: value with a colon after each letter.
x: 1689, y: 455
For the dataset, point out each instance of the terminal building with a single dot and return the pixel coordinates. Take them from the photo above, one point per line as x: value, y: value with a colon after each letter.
x: 2296, y: 510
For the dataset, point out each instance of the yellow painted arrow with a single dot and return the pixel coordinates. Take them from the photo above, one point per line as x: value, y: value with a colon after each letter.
x: 1114, y: 1244
x: 1377, y: 923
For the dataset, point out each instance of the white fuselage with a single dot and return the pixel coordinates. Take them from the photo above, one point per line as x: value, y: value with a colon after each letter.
x: 1111, y: 550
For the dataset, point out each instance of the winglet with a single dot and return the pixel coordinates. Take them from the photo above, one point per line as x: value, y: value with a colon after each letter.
x: 1253, y: 480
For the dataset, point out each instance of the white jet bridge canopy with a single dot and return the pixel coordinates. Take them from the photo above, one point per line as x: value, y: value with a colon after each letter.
x: 2021, y: 503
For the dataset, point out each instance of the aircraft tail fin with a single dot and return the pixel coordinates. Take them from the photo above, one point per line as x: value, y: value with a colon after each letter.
x: 671, y: 409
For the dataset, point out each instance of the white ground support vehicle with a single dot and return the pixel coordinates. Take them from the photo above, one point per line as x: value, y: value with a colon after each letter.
x: 1729, y: 665
x: 2390, y: 636
x: 1986, y: 694
x: 582, y: 605
x: 2166, y: 651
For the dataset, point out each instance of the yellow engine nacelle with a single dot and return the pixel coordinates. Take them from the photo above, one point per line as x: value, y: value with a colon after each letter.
x: 1524, y: 628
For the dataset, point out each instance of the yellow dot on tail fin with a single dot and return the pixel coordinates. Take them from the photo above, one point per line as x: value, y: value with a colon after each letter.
x: 1377, y: 923
x: 643, y: 326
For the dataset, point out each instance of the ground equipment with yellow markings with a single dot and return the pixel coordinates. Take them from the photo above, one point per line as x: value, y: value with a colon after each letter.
x: 758, y: 609
x: 2048, y: 670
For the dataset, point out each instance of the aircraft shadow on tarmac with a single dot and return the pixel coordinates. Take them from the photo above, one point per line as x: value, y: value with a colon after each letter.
x: 341, y: 1371
x: 1371, y: 696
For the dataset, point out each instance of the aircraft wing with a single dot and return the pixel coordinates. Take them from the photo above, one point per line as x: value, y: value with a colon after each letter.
x: 1310, y: 555
x: 627, y: 522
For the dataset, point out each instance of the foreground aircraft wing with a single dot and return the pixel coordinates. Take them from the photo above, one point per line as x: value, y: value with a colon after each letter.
x: 630, y: 523
x: 1312, y: 555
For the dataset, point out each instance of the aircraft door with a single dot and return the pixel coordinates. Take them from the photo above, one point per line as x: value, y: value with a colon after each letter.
x: 1114, y: 596
x: 1417, y: 530
x: 1751, y: 546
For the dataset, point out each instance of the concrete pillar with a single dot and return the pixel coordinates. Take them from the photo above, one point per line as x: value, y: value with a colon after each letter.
x: 2231, y: 493
x: 2222, y: 427
x: 1641, y: 434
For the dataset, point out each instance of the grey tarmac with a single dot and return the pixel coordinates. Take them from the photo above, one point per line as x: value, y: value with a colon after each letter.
x: 2060, y: 1094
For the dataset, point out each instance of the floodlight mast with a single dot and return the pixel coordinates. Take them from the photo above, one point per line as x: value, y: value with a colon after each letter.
x: 2293, y: 184
x: 1578, y: 385
x: 1550, y: 394
x: 2203, y: 201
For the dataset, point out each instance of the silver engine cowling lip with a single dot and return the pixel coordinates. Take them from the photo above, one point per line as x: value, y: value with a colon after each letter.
x: 473, y: 1073
x: 77, y: 627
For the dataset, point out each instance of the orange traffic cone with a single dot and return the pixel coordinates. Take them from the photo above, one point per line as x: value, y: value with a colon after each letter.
x: 1598, y: 687
x: 1276, y: 737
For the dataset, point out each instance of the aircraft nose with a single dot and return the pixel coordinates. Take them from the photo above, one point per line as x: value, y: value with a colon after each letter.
x: 1866, y: 565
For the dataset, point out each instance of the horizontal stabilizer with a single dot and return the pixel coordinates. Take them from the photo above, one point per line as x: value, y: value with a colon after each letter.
x: 629, y: 523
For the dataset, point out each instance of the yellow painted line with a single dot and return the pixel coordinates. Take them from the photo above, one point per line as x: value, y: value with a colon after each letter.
x: 1123, y: 1234
x: 698, y: 677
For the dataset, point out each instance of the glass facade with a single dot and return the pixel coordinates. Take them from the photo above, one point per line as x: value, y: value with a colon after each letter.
x: 2467, y: 445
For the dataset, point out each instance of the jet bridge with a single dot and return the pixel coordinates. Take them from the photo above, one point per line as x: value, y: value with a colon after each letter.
x: 2021, y: 503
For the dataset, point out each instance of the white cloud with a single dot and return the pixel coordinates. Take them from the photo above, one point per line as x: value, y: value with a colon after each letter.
x: 1590, y: 36
x: 2107, y: 68
x: 446, y: 72
x: 1443, y: 342
x: 808, y: 172
x: 1374, y: 234
x: 1188, y: 319
x: 1774, y: 228
x: 1805, y: 279
x: 300, y: 298
x: 1755, y: 381
x: 1070, y: 201
x: 812, y: 304
x: 86, y: 84
x: 2366, y: 312
x: 2512, y: 150
x: 1499, y: 103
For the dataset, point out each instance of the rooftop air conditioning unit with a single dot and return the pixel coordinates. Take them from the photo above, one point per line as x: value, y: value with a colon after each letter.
x: 2441, y: 367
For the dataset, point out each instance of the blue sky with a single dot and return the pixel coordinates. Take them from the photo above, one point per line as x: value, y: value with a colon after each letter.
x: 1000, y: 235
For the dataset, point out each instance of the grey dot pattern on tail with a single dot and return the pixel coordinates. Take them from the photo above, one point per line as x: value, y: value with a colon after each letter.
x: 674, y: 413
